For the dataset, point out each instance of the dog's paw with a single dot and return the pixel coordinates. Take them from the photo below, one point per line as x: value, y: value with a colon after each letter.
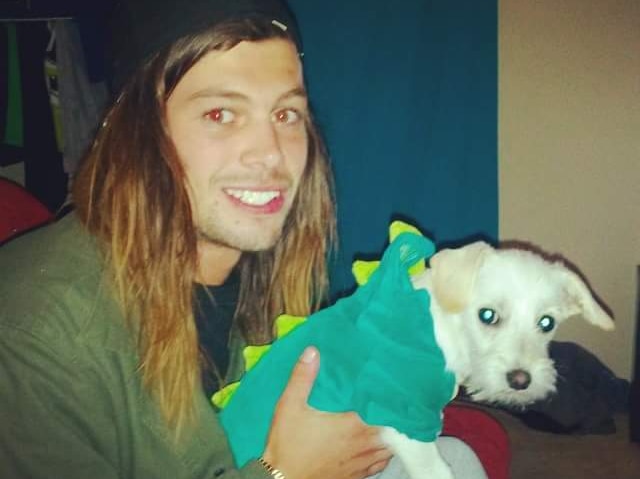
x: 421, y: 460
x: 441, y: 471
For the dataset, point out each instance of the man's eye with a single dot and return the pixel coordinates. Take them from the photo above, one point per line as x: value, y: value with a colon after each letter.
x: 287, y: 116
x: 220, y: 116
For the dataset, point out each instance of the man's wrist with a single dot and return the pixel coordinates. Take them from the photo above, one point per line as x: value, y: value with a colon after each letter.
x: 275, y: 473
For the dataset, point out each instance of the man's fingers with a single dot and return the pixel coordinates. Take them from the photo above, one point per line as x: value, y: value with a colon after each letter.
x: 302, y: 377
x: 305, y: 442
x: 374, y: 461
x: 378, y: 467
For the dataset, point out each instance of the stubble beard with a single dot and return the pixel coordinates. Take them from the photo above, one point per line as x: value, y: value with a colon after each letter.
x: 253, y: 237
x: 239, y: 242
x: 244, y: 233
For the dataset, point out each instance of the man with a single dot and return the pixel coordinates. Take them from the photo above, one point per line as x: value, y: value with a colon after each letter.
x: 207, y: 171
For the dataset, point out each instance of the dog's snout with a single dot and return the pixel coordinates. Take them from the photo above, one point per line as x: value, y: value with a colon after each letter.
x: 518, y: 379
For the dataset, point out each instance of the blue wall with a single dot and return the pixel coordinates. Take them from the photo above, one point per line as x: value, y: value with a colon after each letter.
x: 406, y: 95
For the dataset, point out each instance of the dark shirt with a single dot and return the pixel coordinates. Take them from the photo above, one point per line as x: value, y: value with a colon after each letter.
x: 214, y: 310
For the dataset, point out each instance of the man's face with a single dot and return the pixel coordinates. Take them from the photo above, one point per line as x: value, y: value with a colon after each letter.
x: 237, y: 120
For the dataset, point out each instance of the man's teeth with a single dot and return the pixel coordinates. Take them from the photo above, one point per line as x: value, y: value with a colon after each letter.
x: 254, y: 198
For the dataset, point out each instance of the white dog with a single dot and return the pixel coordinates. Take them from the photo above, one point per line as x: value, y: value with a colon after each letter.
x: 494, y: 312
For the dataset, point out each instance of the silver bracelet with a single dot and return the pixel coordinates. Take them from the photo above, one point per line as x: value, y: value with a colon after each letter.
x: 275, y: 473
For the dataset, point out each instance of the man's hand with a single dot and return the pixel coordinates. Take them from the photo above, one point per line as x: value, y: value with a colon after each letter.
x: 305, y: 443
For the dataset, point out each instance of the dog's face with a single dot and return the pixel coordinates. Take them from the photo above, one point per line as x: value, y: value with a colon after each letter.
x: 507, y: 304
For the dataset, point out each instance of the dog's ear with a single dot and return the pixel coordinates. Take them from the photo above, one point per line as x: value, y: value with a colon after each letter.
x: 453, y: 274
x: 584, y: 302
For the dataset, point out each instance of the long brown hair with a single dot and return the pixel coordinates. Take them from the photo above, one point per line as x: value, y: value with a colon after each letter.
x: 132, y: 193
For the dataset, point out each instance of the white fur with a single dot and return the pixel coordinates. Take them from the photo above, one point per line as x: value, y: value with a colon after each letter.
x: 521, y: 287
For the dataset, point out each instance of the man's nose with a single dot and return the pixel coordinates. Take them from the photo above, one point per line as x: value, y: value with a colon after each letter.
x: 263, y: 147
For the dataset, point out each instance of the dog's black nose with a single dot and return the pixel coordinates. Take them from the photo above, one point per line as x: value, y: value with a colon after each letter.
x: 518, y: 379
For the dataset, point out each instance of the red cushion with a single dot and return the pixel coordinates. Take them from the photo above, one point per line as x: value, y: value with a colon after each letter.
x: 19, y: 210
x: 484, y: 434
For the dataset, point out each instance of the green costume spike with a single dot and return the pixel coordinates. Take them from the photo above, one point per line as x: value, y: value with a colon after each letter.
x: 362, y: 270
x: 253, y: 354
x: 222, y: 397
x: 286, y: 323
x: 396, y: 229
x: 378, y: 356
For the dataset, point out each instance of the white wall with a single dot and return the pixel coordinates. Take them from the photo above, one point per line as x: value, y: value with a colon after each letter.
x: 569, y: 148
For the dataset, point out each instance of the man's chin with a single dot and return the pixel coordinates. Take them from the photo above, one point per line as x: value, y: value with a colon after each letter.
x: 245, y: 241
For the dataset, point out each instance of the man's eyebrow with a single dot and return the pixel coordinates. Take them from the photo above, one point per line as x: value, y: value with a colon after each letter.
x: 216, y: 93
x: 298, y: 92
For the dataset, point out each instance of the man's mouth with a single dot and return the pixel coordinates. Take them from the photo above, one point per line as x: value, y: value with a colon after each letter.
x: 252, y: 197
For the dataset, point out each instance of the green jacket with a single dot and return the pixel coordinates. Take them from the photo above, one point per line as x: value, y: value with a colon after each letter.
x: 72, y: 404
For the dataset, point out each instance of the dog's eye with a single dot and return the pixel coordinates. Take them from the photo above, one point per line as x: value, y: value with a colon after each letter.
x: 546, y: 323
x: 488, y: 316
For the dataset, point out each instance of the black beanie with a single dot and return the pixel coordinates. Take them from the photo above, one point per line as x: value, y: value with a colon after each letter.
x: 140, y: 28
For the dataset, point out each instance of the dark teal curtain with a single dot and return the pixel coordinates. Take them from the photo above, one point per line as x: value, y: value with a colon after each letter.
x: 406, y: 95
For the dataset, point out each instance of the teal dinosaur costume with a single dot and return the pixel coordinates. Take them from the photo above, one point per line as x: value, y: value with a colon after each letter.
x: 378, y: 356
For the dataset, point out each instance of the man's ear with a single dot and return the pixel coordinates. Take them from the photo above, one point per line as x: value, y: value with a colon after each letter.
x: 582, y: 300
x: 454, y: 272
